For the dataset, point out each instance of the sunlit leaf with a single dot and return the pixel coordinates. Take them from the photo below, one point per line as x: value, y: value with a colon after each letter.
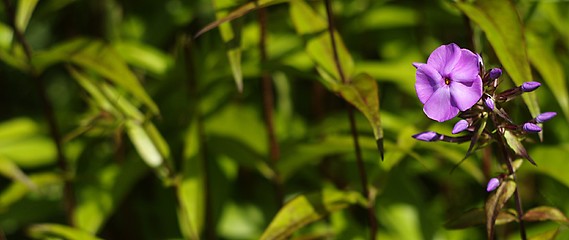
x: 495, y: 203
x: 100, y: 195
x: 548, y: 235
x: 17, y: 190
x: 144, y: 56
x: 10, y: 170
x: 477, y: 216
x: 362, y: 92
x: 191, y: 189
x: 143, y: 144
x: 231, y: 35
x: 319, y: 46
x: 305, y: 209
x: 503, y: 28
x: 545, y: 213
x: 48, y: 231
x: 24, y: 13
x: 99, y: 57
x: 547, y: 64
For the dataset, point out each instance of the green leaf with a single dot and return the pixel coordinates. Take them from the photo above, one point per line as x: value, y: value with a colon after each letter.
x: 144, y: 56
x: 495, y: 203
x: 24, y: 13
x: 545, y: 213
x: 231, y: 35
x: 305, y: 209
x: 503, y: 28
x: 547, y: 64
x: 49, y: 231
x: 143, y: 144
x: 515, y: 144
x: 99, y: 195
x: 362, y: 92
x: 319, y: 46
x: 239, y: 12
x: 10, y: 170
x: 477, y: 216
x: 17, y: 190
x: 548, y: 235
x: 191, y: 189
x: 99, y: 57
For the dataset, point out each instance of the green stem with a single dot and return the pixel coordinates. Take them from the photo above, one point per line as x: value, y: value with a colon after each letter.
x: 359, y: 160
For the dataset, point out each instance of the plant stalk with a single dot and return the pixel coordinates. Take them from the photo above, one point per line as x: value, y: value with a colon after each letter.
x: 361, y: 168
x: 68, y: 195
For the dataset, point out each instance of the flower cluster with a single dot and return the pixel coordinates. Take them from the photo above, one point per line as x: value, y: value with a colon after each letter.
x: 453, y: 83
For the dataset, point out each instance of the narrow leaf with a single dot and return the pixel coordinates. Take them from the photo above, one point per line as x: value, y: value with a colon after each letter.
x: 232, y: 37
x: 477, y: 216
x: 362, y: 92
x: 551, y: 70
x: 24, y: 13
x: 48, y: 231
x: 503, y: 28
x: 544, y: 213
x: 495, y: 203
x: 10, y: 170
x: 305, y: 209
x: 17, y: 190
x: 191, y: 189
x: 517, y: 146
x: 143, y: 144
x: 319, y: 46
x: 144, y: 56
x: 239, y: 12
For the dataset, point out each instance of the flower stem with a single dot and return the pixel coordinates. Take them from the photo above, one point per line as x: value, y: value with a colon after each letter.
x: 267, y: 86
x: 517, y: 199
x: 68, y: 195
x: 362, y: 172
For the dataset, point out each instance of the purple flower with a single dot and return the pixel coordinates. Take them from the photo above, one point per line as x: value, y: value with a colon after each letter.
x: 546, y: 116
x: 428, y: 136
x: 530, y: 86
x: 460, y: 126
x: 492, y: 184
x: 449, y: 82
x: 531, y: 127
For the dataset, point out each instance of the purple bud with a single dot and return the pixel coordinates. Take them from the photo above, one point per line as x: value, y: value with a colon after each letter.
x: 531, y: 127
x: 489, y: 103
x: 416, y: 64
x: 494, y: 73
x: 428, y: 136
x: 530, y: 86
x: 546, y: 116
x: 492, y: 184
x: 460, y: 126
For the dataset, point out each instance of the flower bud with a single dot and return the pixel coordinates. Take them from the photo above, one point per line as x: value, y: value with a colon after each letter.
x: 530, y: 86
x: 494, y: 73
x: 460, y: 126
x: 531, y: 127
x: 492, y: 184
x: 546, y: 116
x: 428, y: 136
x: 489, y: 103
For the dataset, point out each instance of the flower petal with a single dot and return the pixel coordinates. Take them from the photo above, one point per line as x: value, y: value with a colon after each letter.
x: 428, y: 81
x: 465, y: 95
x: 444, y: 58
x: 466, y: 68
x: 439, y: 106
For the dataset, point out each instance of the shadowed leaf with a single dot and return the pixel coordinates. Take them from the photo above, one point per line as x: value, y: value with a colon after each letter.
x: 305, y: 209
x: 517, y: 146
x: 477, y: 216
x: 495, y: 203
x: 501, y: 23
x: 544, y: 213
x: 231, y: 35
x: 548, y: 235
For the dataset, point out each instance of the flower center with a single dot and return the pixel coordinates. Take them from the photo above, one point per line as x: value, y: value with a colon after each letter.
x: 447, y: 81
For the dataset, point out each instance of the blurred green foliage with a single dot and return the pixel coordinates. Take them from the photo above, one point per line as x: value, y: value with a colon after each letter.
x: 164, y: 137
